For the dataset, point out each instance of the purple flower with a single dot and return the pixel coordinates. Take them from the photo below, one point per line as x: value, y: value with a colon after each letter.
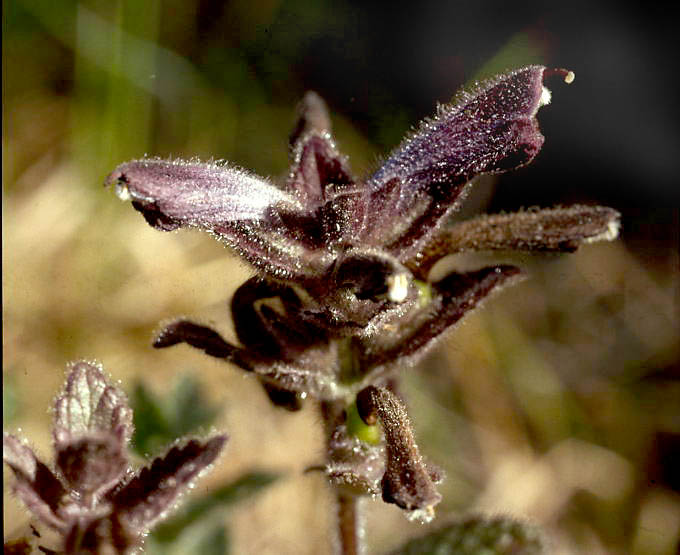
x: 94, y: 499
x: 343, y: 294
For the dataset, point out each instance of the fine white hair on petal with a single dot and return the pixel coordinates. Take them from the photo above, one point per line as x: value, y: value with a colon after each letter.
x: 197, y: 193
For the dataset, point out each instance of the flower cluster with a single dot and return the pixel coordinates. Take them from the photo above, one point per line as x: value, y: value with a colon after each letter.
x: 94, y: 500
x: 343, y: 293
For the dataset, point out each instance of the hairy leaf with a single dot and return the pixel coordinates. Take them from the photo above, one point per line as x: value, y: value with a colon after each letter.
x: 35, y: 485
x: 154, y: 489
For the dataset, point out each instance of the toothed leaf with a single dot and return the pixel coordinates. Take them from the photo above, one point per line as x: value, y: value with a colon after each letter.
x: 93, y: 424
x: 35, y: 484
x: 154, y: 489
x: 89, y: 405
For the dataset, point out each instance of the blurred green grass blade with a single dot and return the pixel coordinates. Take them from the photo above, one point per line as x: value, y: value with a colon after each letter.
x: 123, y: 128
x: 215, y: 541
x: 210, y: 538
x: 152, y: 429
x: 478, y: 536
x: 10, y: 399
x: 189, y: 409
x: 223, y: 497
x: 159, y: 421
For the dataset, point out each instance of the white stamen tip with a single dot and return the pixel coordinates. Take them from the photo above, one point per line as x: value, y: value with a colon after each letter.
x: 545, y: 97
x: 611, y: 233
x: 122, y: 191
x: 569, y: 77
x: 421, y: 515
x: 397, y: 288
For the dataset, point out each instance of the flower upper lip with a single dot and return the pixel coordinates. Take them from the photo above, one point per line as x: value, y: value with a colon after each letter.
x: 351, y: 259
x: 344, y: 290
x: 399, y: 207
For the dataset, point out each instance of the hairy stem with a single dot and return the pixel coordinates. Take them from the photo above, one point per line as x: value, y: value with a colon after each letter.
x: 348, y: 537
x: 348, y: 523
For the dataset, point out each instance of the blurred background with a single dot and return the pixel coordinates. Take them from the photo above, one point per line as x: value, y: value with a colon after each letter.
x: 558, y: 402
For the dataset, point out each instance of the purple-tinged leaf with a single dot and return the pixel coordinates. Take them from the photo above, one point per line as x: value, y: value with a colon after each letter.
x: 90, y: 405
x: 492, y: 129
x: 97, y: 507
x: 556, y: 229
x: 92, y: 465
x: 93, y: 424
x: 36, y: 485
x: 152, y: 492
x: 407, y: 481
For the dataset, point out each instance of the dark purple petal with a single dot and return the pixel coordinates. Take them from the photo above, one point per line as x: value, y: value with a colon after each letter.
x: 36, y: 485
x: 242, y: 209
x: 316, y: 165
x: 407, y: 481
x: 320, y: 177
x: 289, y: 400
x: 371, y: 274
x: 554, y: 229
x: 492, y: 129
x: 200, y: 337
x: 154, y: 490
x: 360, y: 285
x: 256, y: 357
x: 312, y: 372
x: 457, y: 294
x: 189, y: 193
x: 267, y: 320
x: 209, y: 341
x: 312, y: 117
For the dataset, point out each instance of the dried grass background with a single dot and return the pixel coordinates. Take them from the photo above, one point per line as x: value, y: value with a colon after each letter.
x: 558, y: 401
